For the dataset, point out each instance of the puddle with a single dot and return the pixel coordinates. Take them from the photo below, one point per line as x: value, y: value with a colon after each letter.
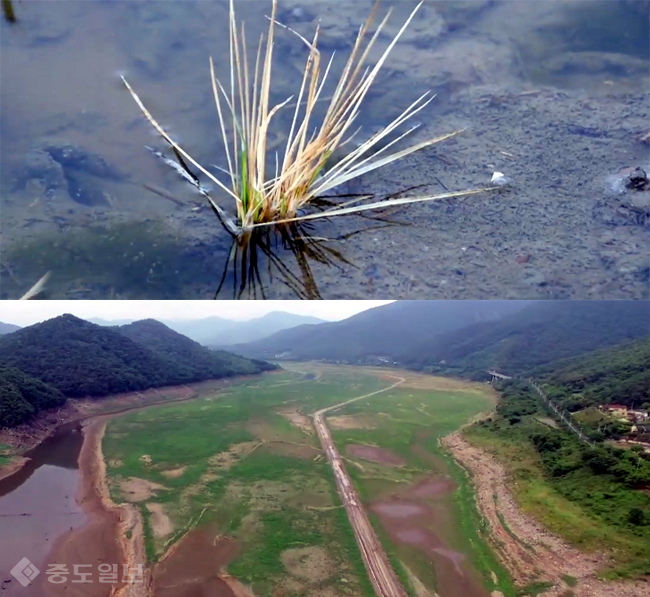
x: 433, y: 488
x: 412, y: 519
x: 374, y: 454
x: 431, y: 543
x: 74, y: 167
x: 398, y: 509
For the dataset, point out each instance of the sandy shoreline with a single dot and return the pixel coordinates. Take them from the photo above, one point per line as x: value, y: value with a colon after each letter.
x: 13, y: 467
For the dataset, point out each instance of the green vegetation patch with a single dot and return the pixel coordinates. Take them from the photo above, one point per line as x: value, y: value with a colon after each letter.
x: 22, y: 396
x: 230, y: 459
x: 6, y: 454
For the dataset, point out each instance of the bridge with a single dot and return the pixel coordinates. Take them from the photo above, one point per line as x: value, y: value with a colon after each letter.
x: 496, y: 375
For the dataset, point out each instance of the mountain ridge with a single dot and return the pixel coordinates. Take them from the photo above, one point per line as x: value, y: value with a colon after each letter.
x: 216, y: 331
x: 80, y: 359
x: 465, y: 339
x: 8, y: 328
x: 376, y: 332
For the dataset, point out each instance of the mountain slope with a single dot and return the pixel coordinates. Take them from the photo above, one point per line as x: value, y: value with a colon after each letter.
x: 21, y: 396
x: 384, y: 331
x: 542, y: 333
x: 618, y: 375
x: 195, y: 362
x: 82, y: 359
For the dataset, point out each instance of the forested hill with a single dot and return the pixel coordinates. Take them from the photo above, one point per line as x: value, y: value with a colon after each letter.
x: 619, y: 375
x: 540, y: 334
x: 79, y: 358
x: 21, y: 396
x: 193, y: 361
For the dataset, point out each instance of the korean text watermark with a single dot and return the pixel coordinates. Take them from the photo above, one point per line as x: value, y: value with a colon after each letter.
x: 25, y: 572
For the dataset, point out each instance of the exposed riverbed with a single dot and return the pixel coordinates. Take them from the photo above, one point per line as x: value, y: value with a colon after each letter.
x: 56, y: 509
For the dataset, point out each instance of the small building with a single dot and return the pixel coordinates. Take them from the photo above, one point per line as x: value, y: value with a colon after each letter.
x: 639, y: 416
x: 618, y: 411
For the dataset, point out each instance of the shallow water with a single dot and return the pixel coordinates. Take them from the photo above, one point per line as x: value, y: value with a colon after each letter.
x: 552, y: 95
x: 429, y: 527
x: 38, y: 504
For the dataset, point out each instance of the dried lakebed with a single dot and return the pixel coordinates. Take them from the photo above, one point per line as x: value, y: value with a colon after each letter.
x: 230, y: 493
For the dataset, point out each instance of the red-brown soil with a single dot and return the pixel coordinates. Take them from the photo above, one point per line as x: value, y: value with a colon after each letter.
x: 374, y: 454
x: 195, y: 567
x: 13, y: 467
x: 433, y: 487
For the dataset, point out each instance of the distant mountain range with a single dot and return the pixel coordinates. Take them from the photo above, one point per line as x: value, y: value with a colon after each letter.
x: 460, y: 338
x: 545, y: 332
x: 78, y: 358
x: 380, y: 333
x: 7, y: 328
x: 463, y: 337
x: 220, y: 332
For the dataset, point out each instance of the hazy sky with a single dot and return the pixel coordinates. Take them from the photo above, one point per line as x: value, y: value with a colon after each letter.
x: 29, y: 312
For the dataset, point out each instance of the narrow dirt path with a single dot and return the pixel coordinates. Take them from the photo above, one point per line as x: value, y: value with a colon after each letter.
x: 381, y: 573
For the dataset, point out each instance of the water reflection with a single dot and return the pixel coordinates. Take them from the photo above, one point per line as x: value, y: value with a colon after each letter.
x: 8, y: 11
x: 265, y: 255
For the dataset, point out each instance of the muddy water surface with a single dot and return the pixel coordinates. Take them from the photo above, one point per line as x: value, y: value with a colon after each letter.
x: 420, y: 516
x: 374, y: 454
x: 552, y: 94
x: 38, y: 504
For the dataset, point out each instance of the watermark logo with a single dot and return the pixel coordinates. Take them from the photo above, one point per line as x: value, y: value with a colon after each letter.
x: 24, y: 572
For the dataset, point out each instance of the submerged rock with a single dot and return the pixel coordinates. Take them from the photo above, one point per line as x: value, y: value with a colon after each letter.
x: 71, y: 155
x: 41, y: 170
x: 631, y: 205
x: 604, y: 64
x: 637, y: 180
x: 64, y: 170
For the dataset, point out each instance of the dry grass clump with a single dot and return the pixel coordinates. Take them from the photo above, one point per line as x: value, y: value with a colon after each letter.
x: 265, y: 195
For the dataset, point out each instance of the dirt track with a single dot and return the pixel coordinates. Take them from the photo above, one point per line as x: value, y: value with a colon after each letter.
x: 381, y: 573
